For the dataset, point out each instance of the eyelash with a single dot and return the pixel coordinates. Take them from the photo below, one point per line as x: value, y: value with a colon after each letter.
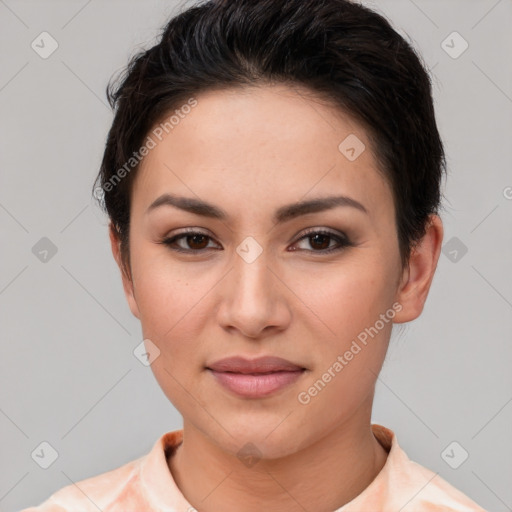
x: 343, y: 241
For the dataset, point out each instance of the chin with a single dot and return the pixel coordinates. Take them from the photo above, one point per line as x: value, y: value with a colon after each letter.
x: 251, y: 439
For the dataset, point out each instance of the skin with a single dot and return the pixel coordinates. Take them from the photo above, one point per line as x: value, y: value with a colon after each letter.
x: 250, y: 152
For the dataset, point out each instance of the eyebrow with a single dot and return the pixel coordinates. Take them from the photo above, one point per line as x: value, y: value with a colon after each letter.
x: 282, y: 214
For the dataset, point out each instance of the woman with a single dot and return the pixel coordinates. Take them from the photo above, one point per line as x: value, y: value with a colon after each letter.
x: 272, y: 178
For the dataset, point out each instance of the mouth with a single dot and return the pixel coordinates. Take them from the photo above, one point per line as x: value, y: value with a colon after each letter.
x: 255, y: 378
x: 261, y: 365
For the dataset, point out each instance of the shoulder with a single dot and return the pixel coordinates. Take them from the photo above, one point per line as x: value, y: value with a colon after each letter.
x: 97, y: 492
x: 137, y: 485
x: 411, y: 487
x: 436, y: 494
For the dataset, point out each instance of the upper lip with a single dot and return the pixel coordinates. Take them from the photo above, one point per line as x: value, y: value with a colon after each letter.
x: 265, y: 364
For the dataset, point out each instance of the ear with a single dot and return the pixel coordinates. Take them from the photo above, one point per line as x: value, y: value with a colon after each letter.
x: 125, y: 274
x: 417, y: 278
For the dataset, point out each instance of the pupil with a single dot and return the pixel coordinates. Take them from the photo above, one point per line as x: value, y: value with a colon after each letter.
x: 194, y: 239
x: 316, y: 239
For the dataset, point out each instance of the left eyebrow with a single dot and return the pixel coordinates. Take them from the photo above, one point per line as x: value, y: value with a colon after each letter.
x: 282, y: 214
x: 291, y: 211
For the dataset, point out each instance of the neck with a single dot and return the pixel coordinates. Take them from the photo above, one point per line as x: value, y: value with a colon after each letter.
x: 323, y: 476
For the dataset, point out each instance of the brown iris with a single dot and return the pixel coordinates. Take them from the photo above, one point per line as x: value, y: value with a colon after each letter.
x: 315, y: 241
x: 197, y: 241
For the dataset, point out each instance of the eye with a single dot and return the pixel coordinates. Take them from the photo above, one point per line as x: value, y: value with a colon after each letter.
x: 320, y: 241
x: 189, y: 241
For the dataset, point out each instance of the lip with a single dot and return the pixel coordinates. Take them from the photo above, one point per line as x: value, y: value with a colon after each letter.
x: 263, y: 364
x: 255, y: 378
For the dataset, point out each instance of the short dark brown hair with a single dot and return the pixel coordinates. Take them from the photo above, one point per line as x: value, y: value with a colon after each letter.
x: 339, y: 50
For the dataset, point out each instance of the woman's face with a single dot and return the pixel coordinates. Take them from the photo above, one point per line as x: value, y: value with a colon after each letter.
x: 258, y: 282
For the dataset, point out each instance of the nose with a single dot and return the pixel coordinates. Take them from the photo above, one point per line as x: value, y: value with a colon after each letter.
x: 254, y: 299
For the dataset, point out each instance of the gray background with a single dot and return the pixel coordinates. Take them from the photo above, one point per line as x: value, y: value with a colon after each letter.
x: 68, y: 375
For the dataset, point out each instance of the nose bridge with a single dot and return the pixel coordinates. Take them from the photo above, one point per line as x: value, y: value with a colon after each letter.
x: 251, y: 303
x: 252, y: 287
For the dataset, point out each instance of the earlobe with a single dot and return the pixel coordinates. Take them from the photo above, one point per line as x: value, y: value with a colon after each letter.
x: 126, y: 279
x: 418, y: 277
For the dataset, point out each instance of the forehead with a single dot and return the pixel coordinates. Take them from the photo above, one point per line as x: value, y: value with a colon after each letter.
x: 262, y: 144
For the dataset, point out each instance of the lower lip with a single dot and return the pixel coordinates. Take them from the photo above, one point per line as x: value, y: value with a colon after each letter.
x: 256, y: 386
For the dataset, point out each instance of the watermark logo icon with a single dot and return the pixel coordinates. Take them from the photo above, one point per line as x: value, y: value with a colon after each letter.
x: 454, y: 249
x: 44, y: 45
x: 454, y: 455
x: 146, y: 352
x: 44, y: 250
x: 454, y: 45
x: 99, y: 194
x: 249, y: 250
x: 249, y: 454
x: 44, y: 455
x: 351, y: 147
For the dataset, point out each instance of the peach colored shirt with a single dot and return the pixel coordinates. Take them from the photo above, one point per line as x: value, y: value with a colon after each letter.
x: 146, y: 485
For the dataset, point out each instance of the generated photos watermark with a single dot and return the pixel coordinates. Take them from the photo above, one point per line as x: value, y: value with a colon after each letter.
x: 151, y: 141
x: 304, y: 397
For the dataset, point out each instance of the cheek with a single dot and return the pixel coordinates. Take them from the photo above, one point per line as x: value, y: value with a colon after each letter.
x: 162, y: 295
x: 354, y: 339
x: 172, y: 298
x: 346, y: 299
